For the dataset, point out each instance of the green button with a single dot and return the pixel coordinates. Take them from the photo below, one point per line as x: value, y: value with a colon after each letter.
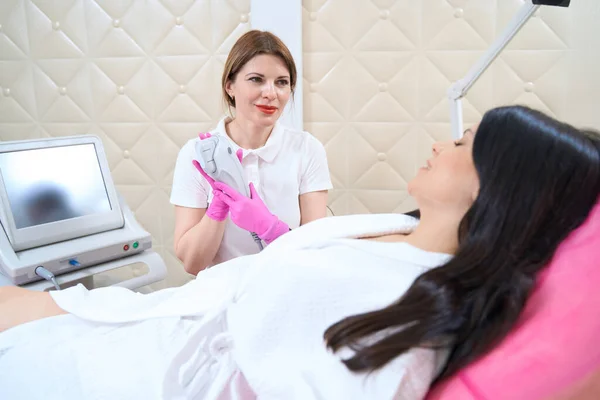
x: 135, y: 245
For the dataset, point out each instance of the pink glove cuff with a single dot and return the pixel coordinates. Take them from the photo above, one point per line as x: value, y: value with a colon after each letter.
x: 217, y: 209
x: 276, y: 230
x: 217, y: 213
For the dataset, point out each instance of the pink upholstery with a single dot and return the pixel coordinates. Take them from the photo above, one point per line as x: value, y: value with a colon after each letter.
x: 557, y: 341
x: 237, y: 388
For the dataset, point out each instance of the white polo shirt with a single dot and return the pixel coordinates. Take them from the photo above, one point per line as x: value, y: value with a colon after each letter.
x: 291, y: 163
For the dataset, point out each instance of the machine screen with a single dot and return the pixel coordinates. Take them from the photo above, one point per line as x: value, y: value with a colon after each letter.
x: 53, y: 184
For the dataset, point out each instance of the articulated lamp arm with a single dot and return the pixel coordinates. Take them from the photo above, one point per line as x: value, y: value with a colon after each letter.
x: 460, y: 88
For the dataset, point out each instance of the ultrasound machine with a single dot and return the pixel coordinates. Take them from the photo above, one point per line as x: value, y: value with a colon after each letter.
x: 62, y: 219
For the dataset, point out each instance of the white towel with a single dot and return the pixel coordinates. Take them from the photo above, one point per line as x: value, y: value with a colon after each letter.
x: 312, y: 278
x: 261, y: 316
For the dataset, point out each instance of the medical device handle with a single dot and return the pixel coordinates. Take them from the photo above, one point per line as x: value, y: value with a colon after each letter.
x: 460, y: 88
x: 157, y: 270
x: 218, y: 160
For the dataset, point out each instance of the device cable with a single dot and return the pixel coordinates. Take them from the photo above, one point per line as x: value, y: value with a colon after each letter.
x: 47, y: 275
x: 257, y: 240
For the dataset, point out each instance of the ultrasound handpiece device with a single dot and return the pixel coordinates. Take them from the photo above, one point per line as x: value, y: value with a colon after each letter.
x: 219, y: 161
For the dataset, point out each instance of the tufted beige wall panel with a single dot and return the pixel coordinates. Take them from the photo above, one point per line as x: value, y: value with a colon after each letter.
x: 377, y: 71
x: 144, y: 76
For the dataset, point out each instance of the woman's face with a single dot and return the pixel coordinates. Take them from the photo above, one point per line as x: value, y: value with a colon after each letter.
x: 449, y: 178
x: 261, y: 90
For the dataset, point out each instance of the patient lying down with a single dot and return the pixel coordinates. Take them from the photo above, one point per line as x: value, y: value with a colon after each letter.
x: 409, y: 301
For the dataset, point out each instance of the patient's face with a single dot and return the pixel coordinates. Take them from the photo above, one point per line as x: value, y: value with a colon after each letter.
x: 449, y: 178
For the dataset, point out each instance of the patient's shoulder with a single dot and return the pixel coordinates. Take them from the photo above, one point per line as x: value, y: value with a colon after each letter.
x: 365, y: 223
x: 344, y: 226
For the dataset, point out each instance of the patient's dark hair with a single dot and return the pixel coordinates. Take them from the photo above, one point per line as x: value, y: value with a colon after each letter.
x: 539, y: 179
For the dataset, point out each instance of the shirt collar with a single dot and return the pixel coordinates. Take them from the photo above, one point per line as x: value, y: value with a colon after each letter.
x: 266, y: 152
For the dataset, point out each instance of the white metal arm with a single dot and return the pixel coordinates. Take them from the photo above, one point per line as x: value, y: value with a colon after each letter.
x: 460, y: 88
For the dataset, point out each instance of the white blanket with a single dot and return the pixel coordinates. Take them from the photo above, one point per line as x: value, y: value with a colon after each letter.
x: 261, y: 316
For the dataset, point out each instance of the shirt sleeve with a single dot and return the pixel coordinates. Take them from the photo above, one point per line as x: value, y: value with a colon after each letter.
x: 315, y: 175
x: 189, y: 189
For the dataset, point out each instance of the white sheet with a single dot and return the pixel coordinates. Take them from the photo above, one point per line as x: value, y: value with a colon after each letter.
x: 263, y: 316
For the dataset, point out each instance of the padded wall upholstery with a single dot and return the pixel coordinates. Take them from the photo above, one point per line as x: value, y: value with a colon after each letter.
x: 144, y: 76
x: 377, y: 74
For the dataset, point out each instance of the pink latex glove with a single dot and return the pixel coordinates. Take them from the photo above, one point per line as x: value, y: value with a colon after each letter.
x: 217, y: 209
x: 251, y: 213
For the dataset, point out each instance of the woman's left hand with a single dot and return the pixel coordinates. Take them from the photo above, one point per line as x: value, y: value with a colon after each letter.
x: 251, y: 213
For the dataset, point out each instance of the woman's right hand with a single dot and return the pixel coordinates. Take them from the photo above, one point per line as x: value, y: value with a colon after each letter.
x: 217, y: 209
x: 196, y: 239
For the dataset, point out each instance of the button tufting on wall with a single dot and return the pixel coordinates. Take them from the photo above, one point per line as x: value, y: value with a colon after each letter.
x: 120, y: 90
x: 383, y: 87
x: 528, y: 87
x: 313, y: 87
x: 116, y: 23
x: 313, y: 16
x: 178, y: 21
x: 63, y: 90
x: 6, y: 92
x: 384, y: 14
x: 381, y: 156
x: 458, y: 13
x: 55, y: 25
x: 182, y: 89
x: 244, y: 18
x: 126, y: 154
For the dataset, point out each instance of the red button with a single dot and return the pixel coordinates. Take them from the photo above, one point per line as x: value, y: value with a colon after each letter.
x: 126, y: 247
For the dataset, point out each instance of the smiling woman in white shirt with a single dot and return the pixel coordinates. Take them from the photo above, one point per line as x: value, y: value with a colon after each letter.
x: 287, y: 168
